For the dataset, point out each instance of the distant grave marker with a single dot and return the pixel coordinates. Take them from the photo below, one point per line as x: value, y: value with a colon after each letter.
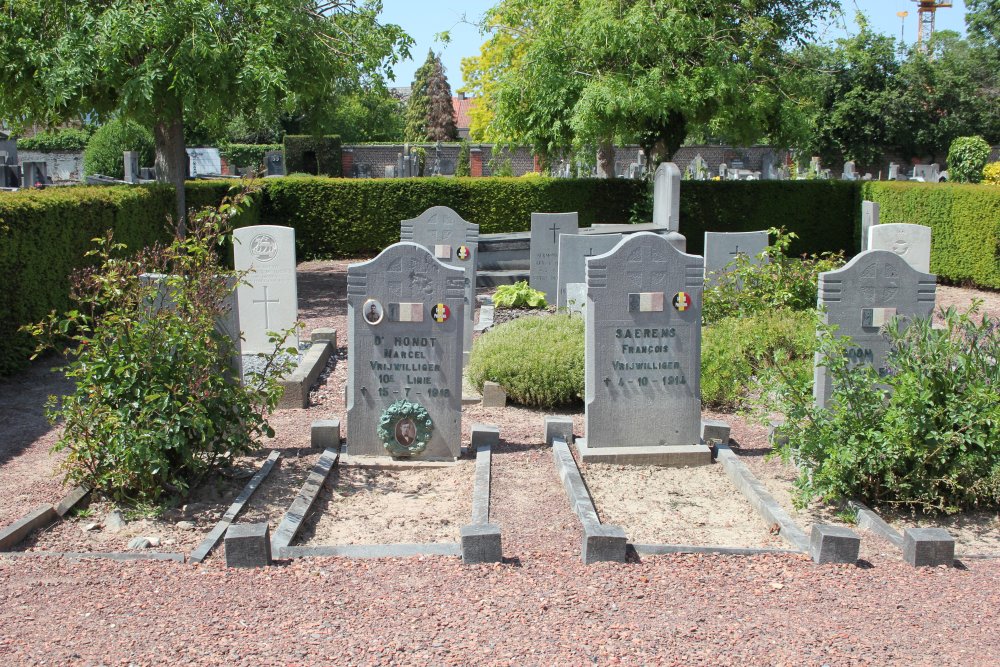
x: 544, y: 267
x: 574, y: 249
x: 721, y: 248
x: 911, y: 242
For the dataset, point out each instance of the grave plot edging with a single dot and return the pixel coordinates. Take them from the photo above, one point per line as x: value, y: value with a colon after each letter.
x: 372, y: 550
x: 303, y: 502
x: 301, y: 380
x: 481, y: 540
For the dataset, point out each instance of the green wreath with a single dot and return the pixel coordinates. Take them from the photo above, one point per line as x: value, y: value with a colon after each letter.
x: 405, y: 428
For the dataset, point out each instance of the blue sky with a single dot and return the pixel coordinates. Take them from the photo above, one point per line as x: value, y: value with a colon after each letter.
x: 423, y: 20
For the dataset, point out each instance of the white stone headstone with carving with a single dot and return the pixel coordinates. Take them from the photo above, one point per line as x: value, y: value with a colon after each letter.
x: 268, y: 296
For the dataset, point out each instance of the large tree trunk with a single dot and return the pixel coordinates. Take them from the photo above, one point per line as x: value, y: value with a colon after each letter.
x: 171, y: 160
x: 606, y: 159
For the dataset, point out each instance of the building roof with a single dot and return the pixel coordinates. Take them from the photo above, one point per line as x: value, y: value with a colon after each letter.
x: 462, y: 106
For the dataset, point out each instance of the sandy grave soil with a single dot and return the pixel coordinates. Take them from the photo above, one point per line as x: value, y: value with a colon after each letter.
x: 379, y: 506
x: 695, y: 506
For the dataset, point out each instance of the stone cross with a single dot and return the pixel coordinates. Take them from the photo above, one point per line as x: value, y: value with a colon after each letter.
x: 544, y: 249
x: 860, y: 298
x: 405, y: 315
x: 269, y: 299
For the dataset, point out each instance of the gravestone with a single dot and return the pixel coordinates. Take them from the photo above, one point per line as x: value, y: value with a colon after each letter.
x: 456, y: 243
x: 721, y: 248
x: 893, y: 171
x: 929, y: 173
x: 723, y: 168
x: 911, y: 242
x: 274, y: 163
x: 643, y: 354
x: 667, y: 196
x: 131, y: 166
x: 869, y: 218
x: 860, y: 298
x: 849, y: 173
x: 204, y: 162
x: 405, y: 312
x: 544, y: 267
x: 269, y: 302
x: 390, y: 171
x: 574, y: 249
x: 34, y: 174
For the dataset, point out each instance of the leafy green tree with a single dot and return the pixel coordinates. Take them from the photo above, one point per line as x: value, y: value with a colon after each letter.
x: 167, y: 64
x: 104, y: 153
x: 565, y: 73
x: 982, y: 19
x: 430, y: 115
x: 967, y: 158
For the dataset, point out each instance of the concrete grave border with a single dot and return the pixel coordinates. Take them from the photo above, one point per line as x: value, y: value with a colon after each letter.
x: 201, y: 552
x: 297, y: 511
x: 304, y: 376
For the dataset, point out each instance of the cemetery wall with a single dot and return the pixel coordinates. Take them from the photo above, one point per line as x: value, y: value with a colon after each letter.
x: 964, y: 222
x: 43, y: 238
x: 370, y: 160
x: 62, y: 167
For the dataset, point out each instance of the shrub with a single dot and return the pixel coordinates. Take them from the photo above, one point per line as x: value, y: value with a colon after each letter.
x: 463, y: 166
x: 70, y: 139
x: 925, y: 435
x: 966, y: 158
x: 991, y: 173
x: 537, y: 360
x: 320, y: 156
x: 155, y: 407
x: 247, y: 155
x: 735, y: 351
x: 777, y: 282
x: 518, y: 295
x: 104, y: 153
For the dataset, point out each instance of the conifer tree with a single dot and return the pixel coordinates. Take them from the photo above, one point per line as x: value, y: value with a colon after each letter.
x: 430, y: 115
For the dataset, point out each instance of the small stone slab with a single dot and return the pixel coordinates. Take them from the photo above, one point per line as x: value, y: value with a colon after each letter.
x: 834, y: 544
x: 558, y: 427
x: 494, y: 396
x: 328, y: 335
x: 304, y: 376
x: 675, y: 456
x: 928, y: 547
x: 484, y: 435
x: 481, y: 543
x: 303, y: 502
x: 207, y: 544
x: 248, y: 545
x: 38, y: 518
x: 715, y: 430
x: 71, y: 499
x: 604, y: 543
x: 325, y: 434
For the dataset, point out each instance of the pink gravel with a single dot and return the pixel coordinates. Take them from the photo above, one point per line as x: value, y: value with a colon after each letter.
x: 540, y: 607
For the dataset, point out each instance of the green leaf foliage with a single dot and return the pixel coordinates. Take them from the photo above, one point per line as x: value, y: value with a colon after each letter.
x: 247, y: 155
x: 156, y: 407
x: 518, y: 295
x: 318, y: 156
x: 925, y: 435
x: 105, y: 150
x: 967, y: 158
x: 964, y: 222
x: 736, y: 351
x: 537, y: 360
x: 70, y: 139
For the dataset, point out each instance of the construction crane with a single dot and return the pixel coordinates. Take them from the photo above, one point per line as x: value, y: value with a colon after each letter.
x: 925, y: 18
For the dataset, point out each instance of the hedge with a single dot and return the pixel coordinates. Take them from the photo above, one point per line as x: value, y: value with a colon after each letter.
x: 964, y: 222
x: 43, y: 238
x: 326, y: 155
x: 247, y: 155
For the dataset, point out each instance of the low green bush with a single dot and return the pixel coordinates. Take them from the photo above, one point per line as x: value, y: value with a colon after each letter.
x: 777, y: 281
x: 105, y: 150
x: 247, y: 155
x: 966, y: 158
x: 518, y: 295
x: 537, y: 360
x: 156, y: 407
x: 70, y: 139
x: 735, y: 351
x: 924, y: 435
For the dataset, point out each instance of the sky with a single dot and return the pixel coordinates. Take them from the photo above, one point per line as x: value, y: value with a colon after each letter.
x: 424, y: 20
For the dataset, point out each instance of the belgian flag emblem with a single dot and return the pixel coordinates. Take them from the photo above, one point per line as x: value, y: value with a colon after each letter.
x: 682, y: 301
x: 441, y: 313
x: 463, y: 252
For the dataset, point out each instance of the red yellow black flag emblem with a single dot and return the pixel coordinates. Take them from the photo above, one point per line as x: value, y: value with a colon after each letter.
x: 682, y: 301
x: 441, y: 313
x: 463, y: 252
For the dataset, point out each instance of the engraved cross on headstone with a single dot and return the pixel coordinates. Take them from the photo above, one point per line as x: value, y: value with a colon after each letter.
x: 266, y: 302
x: 879, y: 283
x: 435, y: 227
x: 736, y: 252
x: 555, y: 232
x: 650, y: 270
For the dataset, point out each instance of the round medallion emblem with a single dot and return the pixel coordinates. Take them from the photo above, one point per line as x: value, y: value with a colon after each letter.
x: 682, y: 301
x: 373, y: 312
x: 264, y: 248
x: 405, y: 428
x: 441, y: 313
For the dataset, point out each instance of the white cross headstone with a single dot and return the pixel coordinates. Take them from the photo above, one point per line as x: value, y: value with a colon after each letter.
x: 268, y: 301
x: 911, y: 242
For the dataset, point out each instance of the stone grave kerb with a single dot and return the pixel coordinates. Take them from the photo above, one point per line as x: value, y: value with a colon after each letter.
x: 642, y: 351
x: 453, y: 241
x: 405, y: 311
x: 860, y: 298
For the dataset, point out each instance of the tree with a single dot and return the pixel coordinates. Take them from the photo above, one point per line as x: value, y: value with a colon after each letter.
x: 165, y: 64
x: 430, y: 115
x: 570, y: 73
x: 982, y: 19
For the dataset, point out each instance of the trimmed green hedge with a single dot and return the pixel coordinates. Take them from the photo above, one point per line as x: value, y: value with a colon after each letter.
x: 320, y: 156
x: 43, y: 237
x: 247, y: 155
x: 964, y: 222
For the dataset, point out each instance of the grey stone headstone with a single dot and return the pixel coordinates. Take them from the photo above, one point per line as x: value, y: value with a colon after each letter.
x: 893, y: 171
x: 456, y: 243
x: 204, y: 161
x: 849, y: 173
x: 860, y: 298
x: 911, y: 242
x: 667, y: 196
x: 642, y: 354
x: 721, y: 248
x: 446, y: 167
x: 131, y: 166
x: 274, y: 163
x: 869, y: 218
x: 544, y: 266
x: 723, y: 168
x: 399, y: 349
x: 268, y: 296
x: 34, y: 173
x: 574, y: 249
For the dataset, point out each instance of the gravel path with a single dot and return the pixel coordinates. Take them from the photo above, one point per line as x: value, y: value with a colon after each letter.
x: 539, y: 607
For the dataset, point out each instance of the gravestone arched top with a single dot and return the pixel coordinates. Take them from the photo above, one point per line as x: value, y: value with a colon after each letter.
x: 439, y: 224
